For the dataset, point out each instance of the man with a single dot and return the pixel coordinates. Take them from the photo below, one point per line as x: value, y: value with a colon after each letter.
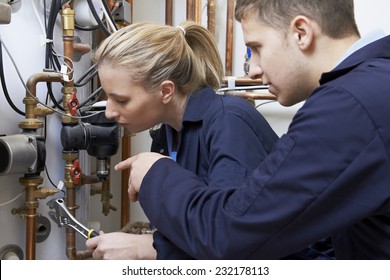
x: 327, y: 176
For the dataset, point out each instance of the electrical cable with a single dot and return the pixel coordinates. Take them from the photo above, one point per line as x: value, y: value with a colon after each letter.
x: 56, y: 104
x: 44, y: 15
x: 13, y: 199
x: 86, y: 28
x: 108, y: 14
x: 38, y: 18
x: 97, y: 18
x: 54, y: 10
x: 95, y: 94
x: 267, y: 102
x: 35, y: 98
x: 89, y: 75
x: 94, y: 27
x: 51, y: 61
x: 3, y: 84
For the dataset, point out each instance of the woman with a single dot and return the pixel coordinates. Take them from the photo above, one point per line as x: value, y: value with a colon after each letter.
x: 157, y: 74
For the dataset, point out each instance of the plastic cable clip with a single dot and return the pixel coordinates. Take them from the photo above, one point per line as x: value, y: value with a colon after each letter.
x: 231, y: 82
x: 64, y: 72
x: 44, y: 40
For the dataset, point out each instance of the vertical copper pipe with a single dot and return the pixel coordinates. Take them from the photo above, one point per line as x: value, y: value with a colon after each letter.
x: 67, y: 16
x: 229, y: 38
x: 190, y: 10
x: 31, y: 184
x: 30, y: 233
x: 198, y: 11
x: 31, y: 204
x: 211, y: 16
x: 68, y: 41
x: 168, y: 12
x: 125, y: 202
x: 194, y: 10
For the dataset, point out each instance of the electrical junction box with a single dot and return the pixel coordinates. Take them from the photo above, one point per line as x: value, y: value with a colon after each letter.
x: 124, y: 12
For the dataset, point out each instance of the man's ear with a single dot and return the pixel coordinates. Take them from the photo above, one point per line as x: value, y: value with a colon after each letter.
x: 303, y: 32
x: 167, y: 90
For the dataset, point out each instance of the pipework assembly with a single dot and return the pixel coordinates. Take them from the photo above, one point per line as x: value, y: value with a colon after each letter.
x: 25, y: 153
x: 96, y: 134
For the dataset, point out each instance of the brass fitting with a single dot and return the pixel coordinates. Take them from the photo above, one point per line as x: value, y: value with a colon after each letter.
x: 69, y: 158
x: 41, y: 111
x: 67, y: 16
x: 66, y: 97
x: 30, y: 121
x: 33, y: 193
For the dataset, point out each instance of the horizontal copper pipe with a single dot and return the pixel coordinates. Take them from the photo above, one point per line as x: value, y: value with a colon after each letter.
x: 252, y: 95
x: 243, y: 81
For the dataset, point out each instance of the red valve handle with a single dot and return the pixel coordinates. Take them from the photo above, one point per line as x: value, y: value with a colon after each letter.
x: 76, y: 172
x: 73, y: 104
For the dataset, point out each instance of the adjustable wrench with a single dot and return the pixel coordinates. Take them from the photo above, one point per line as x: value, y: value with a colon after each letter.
x: 63, y: 217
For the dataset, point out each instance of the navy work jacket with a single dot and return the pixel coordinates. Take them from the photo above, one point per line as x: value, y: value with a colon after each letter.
x: 222, y: 140
x: 329, y: 175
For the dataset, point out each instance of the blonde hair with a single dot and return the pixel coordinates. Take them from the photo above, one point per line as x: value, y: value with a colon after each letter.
x: 152, y: 52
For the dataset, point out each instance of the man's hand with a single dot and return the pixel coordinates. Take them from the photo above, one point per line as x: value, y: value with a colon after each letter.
x: 122, y: 246
x: 139, y: 165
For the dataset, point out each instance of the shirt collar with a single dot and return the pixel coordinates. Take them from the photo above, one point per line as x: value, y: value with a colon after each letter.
x: 372, y: 36
x: 198, y: 103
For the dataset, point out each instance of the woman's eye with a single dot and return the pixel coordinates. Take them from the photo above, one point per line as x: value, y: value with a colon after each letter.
x: 121, y: 101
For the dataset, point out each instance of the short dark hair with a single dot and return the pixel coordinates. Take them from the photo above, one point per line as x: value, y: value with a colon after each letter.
x: 336, y: 18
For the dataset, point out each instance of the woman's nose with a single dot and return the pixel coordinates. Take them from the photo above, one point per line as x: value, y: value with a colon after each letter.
x: 110, y: 112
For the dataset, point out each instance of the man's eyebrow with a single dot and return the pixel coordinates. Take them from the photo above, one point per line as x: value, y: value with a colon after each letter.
x: 250, y: 43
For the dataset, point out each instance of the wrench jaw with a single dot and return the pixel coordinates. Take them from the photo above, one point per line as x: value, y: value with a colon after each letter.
x: 54, y: 218
x: 62, y: 217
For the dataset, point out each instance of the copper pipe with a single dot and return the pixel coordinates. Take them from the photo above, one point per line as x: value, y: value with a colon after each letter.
x: 244, y: 81
x: 71, y: 251
x: 211, y: 16
x: 198, y: 11
x: 252, y: 95
x: 67, y: 17
x: 33, y: 193
x: 31, y: 121
x: 168, y: 12
x: 194, y: 10
x: 31, y: 205
x: 190, y: 10
x: 31, y: 183
x: 125, y: 202
x: 89, y: 179
x: 30, y: 233
x: 229, y: 38
x: 106, y: 195
x: 41, y: 77
x: 82, y: 48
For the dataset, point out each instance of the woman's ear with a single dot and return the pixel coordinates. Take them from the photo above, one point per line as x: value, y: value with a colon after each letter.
x: 303, y: 32
x: 167, y: 90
